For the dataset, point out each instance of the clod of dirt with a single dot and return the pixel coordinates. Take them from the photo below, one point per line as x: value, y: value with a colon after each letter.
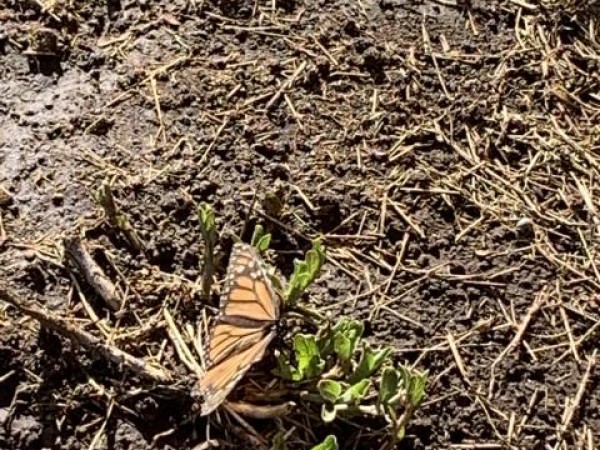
x: 127, y: 437
x: 25, y: 431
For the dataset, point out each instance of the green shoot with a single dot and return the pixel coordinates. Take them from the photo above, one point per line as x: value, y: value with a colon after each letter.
x: 208, y: 229
x: 260, y: 239
x: 330, y: 443
x: 305, y: 272
x: 117, y: 218
x: 307, y: 357
x: 403, y: 387
x: 346, y: 335
x: 347, y: 377
x: 274, y: 202
x: 279, y: 442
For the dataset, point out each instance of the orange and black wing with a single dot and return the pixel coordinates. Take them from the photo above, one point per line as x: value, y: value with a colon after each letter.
x: 244, y: 328
x: 220, y: 379
x: 248, y: 291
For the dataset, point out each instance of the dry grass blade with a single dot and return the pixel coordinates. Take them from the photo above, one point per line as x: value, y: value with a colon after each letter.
x: 286, y: 85
x: 575, y: 403
x: 445, y: 153
x: 517, y: 339
x: 183, y: 351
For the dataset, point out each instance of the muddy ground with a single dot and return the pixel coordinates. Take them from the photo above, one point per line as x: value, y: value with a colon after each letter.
x: 448, y: 153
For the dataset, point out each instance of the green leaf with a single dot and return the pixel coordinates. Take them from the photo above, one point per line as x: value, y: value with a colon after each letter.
x: 342, y: 339
x: 347, y: 333
x: 325, y: 341
x: 308, y: 357
x: 356, y: 392
x: 350, y: 327
x: 258, y: 232
x: 307, y: 354
x: 370, y: 361
x: 330, y: 443
x: 303, y: 281
x: 260, y: 239
x: 400, y: 432
x: 330, y: 390
x: 305, y: 272
x: 315, y: 257
x: 389, y: 385
x: 416, y: 390
x: 263, y: 243
x: 342, y: 346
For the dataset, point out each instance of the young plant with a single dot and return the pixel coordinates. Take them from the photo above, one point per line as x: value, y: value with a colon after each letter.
x: 347, y: 377
x: 334, y: 368
x: 342, y: 372
x: 329, y: 443
x: 209, y: 233
x: 404, y: 388
x: 260, y: 239
x: 117, y: 218
x: 305, y: 272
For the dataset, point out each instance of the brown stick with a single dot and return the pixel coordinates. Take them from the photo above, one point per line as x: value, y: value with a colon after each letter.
x: 260, y: 411
x: 93, y: 274
x: 82, y: 338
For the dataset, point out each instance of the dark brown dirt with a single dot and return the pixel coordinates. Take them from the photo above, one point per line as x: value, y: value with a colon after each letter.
x: 461, y: 142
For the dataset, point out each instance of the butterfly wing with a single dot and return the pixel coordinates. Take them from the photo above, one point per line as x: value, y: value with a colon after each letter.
x: 220, y: 379
x: 229, y: 338
x: 248, y: 290
x: 243, y: 330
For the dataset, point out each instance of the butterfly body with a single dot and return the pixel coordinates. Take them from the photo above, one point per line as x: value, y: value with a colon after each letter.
x: 249, y: 314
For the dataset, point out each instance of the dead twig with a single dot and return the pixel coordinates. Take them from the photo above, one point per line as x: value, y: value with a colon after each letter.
x: 407, y: 219
x: 84, y: 339
x: 260, y: 411
x: 91, y: 271
x: 457, y: 358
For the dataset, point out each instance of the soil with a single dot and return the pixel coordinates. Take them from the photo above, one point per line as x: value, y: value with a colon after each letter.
x: 448, y: 154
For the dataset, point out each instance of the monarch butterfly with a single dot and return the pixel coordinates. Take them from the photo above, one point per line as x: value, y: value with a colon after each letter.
x: 249, y: 312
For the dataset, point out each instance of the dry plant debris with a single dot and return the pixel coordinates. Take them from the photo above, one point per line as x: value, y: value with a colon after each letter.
x: 447, y: 152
